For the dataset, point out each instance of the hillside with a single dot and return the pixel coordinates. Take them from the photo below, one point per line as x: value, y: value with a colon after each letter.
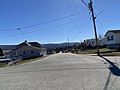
x: 7, y: 47
x: 50, y: 46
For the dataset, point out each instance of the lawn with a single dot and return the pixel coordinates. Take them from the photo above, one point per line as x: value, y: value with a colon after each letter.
x: 103, y: 51
x: 23, y: 61
x: 29, y: 60
x: 3, y: 65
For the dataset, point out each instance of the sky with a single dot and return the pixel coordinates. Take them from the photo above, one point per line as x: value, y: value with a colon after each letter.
x: 55, y: 21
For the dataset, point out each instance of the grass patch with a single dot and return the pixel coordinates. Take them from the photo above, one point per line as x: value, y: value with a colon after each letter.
x: 29, y: 60
x: 103, y: 51
x: 3, y: 65
x: 112, y: 53
x: 89, y: 51
x: 22, y: 62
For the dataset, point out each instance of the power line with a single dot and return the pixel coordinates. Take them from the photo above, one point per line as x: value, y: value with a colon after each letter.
x: 99, y: 2
x: 53, y: 20
x: 104, y: 9
x: 28, y: 26
x: 12, y: 29
x: 60, y: 24
x: 81, y: 30
x: 81, y: 27
x: 85, y: 4
x: 23, y: 34
x: 41, y: 29
x: 101, y: 25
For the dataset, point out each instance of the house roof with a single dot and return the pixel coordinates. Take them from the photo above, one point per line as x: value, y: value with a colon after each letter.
x: 24, y: 48
x: 34, y: 44
x: 91, y: 39
x: 28, y: 48
x: 114, y: 31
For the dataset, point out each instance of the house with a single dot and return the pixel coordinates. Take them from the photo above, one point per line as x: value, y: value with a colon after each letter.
x: 113, y: 39
x: 92, y: 42
x: 27, y: 50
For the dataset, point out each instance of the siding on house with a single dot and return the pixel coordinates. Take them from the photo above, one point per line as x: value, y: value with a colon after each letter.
x: 110, y: 38
x: 113, y: 39
x: 91, y: 42
x: 117, y: 37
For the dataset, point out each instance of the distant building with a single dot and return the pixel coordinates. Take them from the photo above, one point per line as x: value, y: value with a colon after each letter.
x: 28, y: 50
x: 92, y: 42
x: 113, y: 39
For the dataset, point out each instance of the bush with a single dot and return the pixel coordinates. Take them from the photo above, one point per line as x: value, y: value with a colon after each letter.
x: 1, y: 52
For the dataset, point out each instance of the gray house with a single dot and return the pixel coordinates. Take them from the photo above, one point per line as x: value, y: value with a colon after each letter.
x: 113, y: 39
x: 27, y: 50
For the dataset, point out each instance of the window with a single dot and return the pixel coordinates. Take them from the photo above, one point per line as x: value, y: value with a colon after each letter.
x: 108, y: 39
x: 14, y: 53
x: 92, y: 42
x: 31, y: 52
x: 112, y: 38
x: 24, y: 52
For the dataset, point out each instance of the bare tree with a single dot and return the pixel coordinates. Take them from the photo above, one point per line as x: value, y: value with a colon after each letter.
x: 100, y: 36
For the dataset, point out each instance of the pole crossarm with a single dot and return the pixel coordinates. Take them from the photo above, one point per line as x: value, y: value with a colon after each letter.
x: 85, y: 4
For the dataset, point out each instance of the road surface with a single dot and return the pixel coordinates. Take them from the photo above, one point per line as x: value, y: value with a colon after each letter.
x: 62, y: 72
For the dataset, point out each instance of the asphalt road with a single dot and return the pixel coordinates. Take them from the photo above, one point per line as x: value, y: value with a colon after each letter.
x: 63, y: 72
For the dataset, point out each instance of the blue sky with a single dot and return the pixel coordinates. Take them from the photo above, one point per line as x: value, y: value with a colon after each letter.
x: 21, y: 13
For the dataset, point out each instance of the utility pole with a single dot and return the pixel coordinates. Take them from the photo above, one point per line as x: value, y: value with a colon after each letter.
x: 68, y: 43
x: 93, y: 17
x: 90, y: 6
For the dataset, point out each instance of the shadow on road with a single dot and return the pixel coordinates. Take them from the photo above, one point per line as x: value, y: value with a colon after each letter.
x: 107, y: 82
x: 112, y: 67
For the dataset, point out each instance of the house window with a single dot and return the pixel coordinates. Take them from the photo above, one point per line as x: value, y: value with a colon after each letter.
x: 24, y: 52
x: 14, y: 53
x: 31, y: 52
x: 108, y: 39
x: 112, y: 38
x: 92, y: 42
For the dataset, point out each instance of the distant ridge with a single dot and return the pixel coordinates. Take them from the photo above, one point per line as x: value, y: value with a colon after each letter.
x: 61, y: 45
x: 49, y: 46
x: 7, y: 47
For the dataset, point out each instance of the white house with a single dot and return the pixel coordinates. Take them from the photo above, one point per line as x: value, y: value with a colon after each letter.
x: 113, y: 39
x: 27, y: 50
x: 92, y: 42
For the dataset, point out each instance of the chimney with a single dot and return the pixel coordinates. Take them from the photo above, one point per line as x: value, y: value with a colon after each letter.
x: 25, y: 40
